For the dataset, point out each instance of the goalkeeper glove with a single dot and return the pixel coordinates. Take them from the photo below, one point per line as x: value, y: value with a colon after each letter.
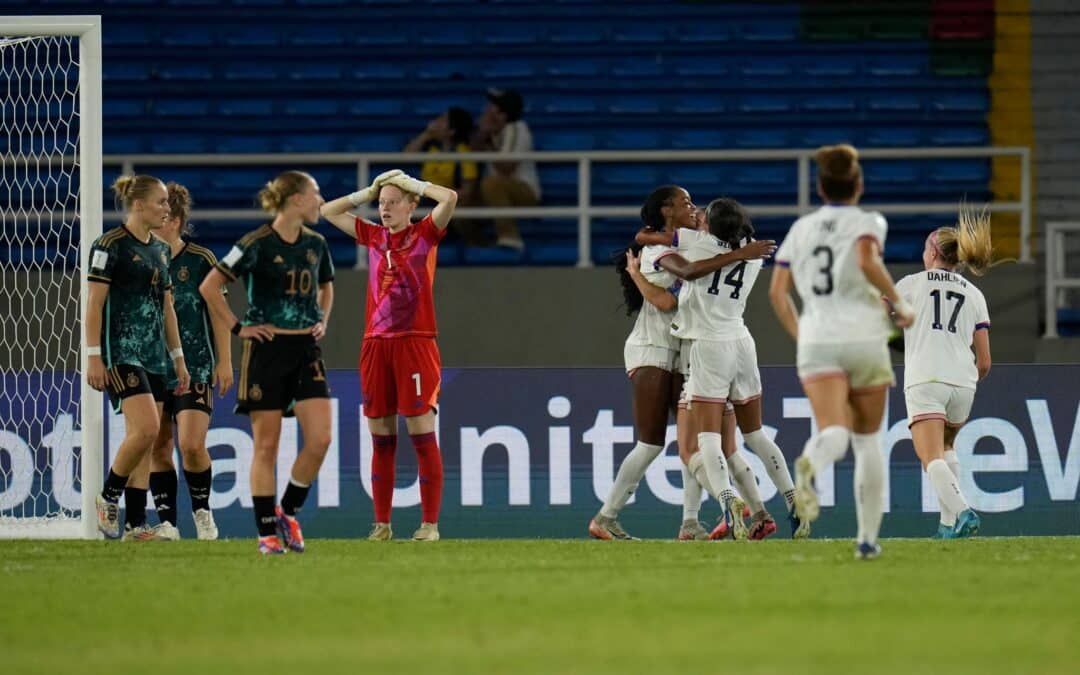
x: 369, y: 193
x: 409, y: 184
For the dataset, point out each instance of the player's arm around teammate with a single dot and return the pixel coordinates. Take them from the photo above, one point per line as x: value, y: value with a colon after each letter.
x: 400, y: 366
x: 288, y: 272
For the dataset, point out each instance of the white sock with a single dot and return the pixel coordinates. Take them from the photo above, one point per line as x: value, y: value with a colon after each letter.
x: 691, y: 500
x: 630, y: 474
x: 746, y: 482
x: 827, y: 447
x: 696, y: 466
x: 712, y: 453
x: 948, y: 491
x: 953, y: 463
x: 869, y: 485
x: 775, y: 464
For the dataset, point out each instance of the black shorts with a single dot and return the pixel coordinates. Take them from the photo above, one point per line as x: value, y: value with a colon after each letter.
x: 199, y: 397
x: 276, y: 374
x: 123, y: 380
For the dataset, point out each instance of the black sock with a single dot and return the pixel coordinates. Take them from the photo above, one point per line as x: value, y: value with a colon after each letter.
x: 163, y: 487
x: 293, y: 499
x: 198, y: 484
x: 135, y: 511
x: 114, y: 487
x: 265, y: 519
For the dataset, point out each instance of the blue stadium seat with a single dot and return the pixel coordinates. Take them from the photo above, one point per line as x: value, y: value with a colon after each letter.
x: 700, y: 139
x: 765, y: 104
x: 246, y: 107
x: 186, y: 107
x: 376, y: 107
x: 121, y: 35
x: 839, y: 66
x: 632, y: 139
x: 311, y: 107
x: 636, y: 69
x: 701, y: 104
x: 251, y: 71
x: 390, y: 36
x: 775, y: 29
x: 238, y: 179
x: 705, y: 65
x: 882, y: 174
x: 637, y: 33
x: 315, y: 71
x: 446, y: 69
x: 960, y: 171
x: 116, y: 144
x: 573, y: 105
x: 378, y: 70
x: 576, y: 34
x: 492, y: 256
x: 566, y: 140
x: 698, y: 33
x: 966, y: 135
x: 898, y: 65
x: 581, y: 67
x: 634, y: 105
x: 703, y: 181
x: 186, y: 72
x: 188, y: 37
x: 761, y: 138
x: 165, y: 144
x: 761, y: 178
x: 895, y: 102
x: 318, y: 36
x: 767, y: 67
x: 508, y: 69
x: 558, y: 181
x: 191, y: 178
x: 960, y: 102
x: 893, y: 137
x: 836, y: 103
x: 310, y: 143
x: 623, y: 179
x: 457, y: 36
x: 262, y: 36
x: 242, y: 144
x: 814, y: 137
x: 516, y: 34
x: 120, y: 107
x: 374, y: 142
x: 125, y: 72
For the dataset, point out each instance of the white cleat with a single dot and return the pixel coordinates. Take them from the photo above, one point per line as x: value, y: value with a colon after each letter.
x: 806, y: 499
x: 140, y: 533
x: 427, y: 532
x: 167, y: 532
x: 205, y: 527
x: 108, y: 518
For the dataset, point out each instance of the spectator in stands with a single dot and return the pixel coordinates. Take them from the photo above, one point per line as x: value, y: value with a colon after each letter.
x: 451, y: 132
x: 507, y: 183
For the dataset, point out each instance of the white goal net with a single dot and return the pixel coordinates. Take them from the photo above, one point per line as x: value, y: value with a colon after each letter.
x: 50, y: 206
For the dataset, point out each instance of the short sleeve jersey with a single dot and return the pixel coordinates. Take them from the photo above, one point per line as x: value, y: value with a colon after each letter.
x: 839, y: 304
x: 937, y: 346
x: 711, y: 307
x: 401, y: 275
x: 282, y: 278
x: 133, y: 325
x: 188, y: 269
x: 652, y: 328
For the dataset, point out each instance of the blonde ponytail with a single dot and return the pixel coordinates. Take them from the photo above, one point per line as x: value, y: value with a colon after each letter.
x: 968, y: 243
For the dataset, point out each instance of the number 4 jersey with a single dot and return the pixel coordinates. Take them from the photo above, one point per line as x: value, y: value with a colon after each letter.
x: 838, y: 303
x: 711, y: 307
x: 948, y: 311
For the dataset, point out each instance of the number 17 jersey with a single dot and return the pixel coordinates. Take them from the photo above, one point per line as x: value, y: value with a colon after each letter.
x: 838, y: 303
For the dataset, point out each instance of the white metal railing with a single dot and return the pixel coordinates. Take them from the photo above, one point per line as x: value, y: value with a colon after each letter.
x: 584, y: 211
x: 1057, y: 280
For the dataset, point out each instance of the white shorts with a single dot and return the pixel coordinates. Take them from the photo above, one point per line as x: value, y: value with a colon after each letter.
x: 647, y: 356
x: 865, y: 363
x: 938, y: 401
x: 683, y: 360
x: 723, y: 371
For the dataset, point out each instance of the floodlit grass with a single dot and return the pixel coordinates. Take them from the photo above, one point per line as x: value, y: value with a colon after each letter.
x: 977, y: 606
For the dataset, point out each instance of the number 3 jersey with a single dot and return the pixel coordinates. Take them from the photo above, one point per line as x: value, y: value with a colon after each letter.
x: 838, y: 303
x: 711, y: 307
x: 948, y: 311
x: 282, y: 278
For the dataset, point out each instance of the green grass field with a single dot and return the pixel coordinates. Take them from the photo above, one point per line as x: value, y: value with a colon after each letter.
x: 978, y: 606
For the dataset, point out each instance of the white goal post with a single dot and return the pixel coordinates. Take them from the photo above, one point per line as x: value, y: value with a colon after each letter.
x: 50, y: 213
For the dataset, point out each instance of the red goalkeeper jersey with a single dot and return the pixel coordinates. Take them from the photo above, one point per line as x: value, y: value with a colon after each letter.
x: 401, y: 274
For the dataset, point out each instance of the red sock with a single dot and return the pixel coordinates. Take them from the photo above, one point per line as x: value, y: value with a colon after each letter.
x: 430, y: 469
x: 382, y: 475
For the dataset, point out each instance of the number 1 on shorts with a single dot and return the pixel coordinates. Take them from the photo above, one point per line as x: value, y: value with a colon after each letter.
x: 416, y: 378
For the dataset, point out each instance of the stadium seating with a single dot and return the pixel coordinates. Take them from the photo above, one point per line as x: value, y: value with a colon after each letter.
x: 193, y: 76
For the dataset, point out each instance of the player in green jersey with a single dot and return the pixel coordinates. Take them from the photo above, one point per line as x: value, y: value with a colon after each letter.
x: 289, y: 276
x: 129, y: 322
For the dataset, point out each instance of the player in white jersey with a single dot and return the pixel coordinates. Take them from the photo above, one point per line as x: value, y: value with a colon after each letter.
x: 723, y: 365
x: 651, y: 356
x: 833, y: 257
x: 940, y: 373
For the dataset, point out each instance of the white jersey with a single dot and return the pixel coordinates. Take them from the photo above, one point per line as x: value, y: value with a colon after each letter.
x: 653, y: 326
x: 711, y: 307
x: 838, y: 303
x: 937, y: 346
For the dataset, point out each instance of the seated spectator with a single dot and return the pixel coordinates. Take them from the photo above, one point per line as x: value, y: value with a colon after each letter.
x: 450, y: 132
x: 507, y: 183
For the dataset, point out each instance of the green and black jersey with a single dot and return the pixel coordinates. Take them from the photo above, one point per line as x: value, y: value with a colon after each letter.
x: 282, y: 279
x: 133, y: 325
x: 188, y: 269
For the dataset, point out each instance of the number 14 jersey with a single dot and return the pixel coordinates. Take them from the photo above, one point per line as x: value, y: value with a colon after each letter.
x: 711, y: 307
x: 838, y: 303
x: 948, y: 311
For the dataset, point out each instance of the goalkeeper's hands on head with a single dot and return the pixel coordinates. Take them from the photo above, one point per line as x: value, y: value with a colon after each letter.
x: 368, y: 194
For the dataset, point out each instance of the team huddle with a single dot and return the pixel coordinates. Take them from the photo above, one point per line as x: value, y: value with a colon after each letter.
x: 158, y: 342
x: 690, y: 351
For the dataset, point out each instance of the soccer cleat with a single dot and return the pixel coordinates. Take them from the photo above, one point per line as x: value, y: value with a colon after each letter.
x: 944, y: 532
x: 166, y: 532
x: 739, y: 530
x: 967, y: 524
x: 205, y: 527
x: 806, y: 500
x: 867, y: 551
x: 288, y: 528
x: 693, y: 530
x: 722, y: 528
x: 745, y: 512
x: 108, y: 518
x: 380, y: 532
x: 140, y: 533
x: 608, y: 529
x: 271, y: 545
x: 800, y: 529
x: 427, y: 532
x: 761, y: 525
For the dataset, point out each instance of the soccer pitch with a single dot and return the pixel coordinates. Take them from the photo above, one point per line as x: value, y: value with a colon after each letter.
x: 541, y: 606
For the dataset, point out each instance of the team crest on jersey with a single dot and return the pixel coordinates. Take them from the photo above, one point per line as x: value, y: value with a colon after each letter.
x: 183, y: 274
x: 279, y: 260
x: 311, y: 257
x: 136, y: 258
x: 255, y: 393
x: 132, y: 380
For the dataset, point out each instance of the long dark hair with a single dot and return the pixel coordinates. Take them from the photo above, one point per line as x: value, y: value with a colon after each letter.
x: 728, y: 221
x: 653, y: 219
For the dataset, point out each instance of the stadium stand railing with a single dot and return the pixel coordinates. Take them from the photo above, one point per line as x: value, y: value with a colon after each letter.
x: 1061, y: 319
x: 788, y: 171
